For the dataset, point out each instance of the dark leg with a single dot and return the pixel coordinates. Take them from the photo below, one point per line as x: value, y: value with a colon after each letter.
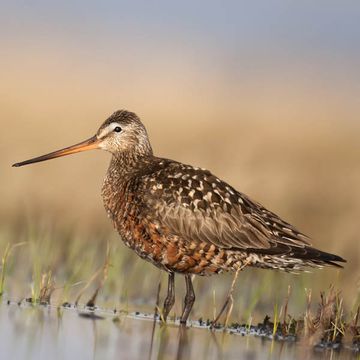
x: 189, y: 299
x: 170, y: 297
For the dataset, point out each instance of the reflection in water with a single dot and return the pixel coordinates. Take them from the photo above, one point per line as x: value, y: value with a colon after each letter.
x: 178, y: 341
x: 45, y: 333
x: 95, y: 337
x: 183, y: 350
x: 163, y: 348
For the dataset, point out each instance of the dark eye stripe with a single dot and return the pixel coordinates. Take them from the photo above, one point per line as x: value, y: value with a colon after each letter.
x: 117, y: 129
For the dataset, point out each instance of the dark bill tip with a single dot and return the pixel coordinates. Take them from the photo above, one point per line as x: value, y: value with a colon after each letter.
x: 92, y: 143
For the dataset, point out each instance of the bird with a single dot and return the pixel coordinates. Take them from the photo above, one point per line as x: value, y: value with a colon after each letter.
x: 184, y: 219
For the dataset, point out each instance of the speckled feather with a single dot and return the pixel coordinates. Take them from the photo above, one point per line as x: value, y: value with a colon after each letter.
x: 185, y: 219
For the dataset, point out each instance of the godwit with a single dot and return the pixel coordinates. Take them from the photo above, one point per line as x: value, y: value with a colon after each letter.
x: 184, y: 219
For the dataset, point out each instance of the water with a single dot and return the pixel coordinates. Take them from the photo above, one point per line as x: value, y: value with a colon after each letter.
x: 44, y: 332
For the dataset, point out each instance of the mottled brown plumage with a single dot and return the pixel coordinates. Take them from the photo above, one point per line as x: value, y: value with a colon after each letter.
x: 186, y: 220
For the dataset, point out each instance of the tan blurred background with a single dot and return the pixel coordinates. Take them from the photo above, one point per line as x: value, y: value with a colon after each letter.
x: 267, y: 97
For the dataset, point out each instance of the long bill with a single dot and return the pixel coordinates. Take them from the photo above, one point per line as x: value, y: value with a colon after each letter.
x: 92, y: 143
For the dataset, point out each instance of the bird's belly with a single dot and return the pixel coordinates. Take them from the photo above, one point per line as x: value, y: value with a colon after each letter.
x: 173, y: 254
x: 156, y: 244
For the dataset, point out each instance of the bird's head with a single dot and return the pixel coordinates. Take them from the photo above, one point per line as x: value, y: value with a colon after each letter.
x: 122, y: 132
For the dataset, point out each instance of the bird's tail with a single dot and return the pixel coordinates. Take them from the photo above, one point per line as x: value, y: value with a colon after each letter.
x: 297, y: 258
x: 319, y: 257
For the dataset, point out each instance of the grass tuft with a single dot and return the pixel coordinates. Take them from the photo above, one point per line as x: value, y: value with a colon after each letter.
x: 102, y: 275
x: 4, y: 263
x: 47, y: 287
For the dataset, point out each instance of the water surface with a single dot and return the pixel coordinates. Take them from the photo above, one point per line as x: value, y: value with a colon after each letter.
x: 43, y: 332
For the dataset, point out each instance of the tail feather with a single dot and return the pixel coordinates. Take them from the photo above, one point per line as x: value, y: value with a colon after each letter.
x: 319, y: 257
x: 308, y: 255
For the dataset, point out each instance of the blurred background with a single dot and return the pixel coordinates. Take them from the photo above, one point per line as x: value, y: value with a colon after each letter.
x: 265, y: 94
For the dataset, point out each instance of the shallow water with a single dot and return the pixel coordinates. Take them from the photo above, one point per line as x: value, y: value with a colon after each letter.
x: 44, y: 332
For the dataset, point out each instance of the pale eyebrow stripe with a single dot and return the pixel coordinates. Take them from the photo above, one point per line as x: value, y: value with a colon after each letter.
x: 108, y: 129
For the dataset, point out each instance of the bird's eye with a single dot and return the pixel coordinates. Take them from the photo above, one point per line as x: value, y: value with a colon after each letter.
x: 117, y: 129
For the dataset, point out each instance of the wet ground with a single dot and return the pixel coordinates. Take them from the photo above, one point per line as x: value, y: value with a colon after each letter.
x: 46, y: 332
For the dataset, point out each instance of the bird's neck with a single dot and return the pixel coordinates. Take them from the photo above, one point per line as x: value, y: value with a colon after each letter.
x: 127, y: 164
x: 123, y: 168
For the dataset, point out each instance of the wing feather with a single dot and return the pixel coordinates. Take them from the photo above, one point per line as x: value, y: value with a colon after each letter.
x: 196, y: 205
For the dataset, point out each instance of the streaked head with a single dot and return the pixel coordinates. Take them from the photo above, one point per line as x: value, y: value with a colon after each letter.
x: 121, y: 132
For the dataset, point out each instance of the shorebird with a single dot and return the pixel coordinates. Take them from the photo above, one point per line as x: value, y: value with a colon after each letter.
x: 184, y: 219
